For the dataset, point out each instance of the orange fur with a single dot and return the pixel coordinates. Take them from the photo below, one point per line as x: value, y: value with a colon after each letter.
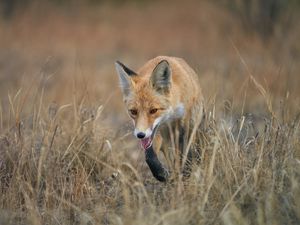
x: 182, y: 94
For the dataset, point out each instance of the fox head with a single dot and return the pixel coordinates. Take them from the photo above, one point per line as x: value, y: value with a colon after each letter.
x: 147, y: 98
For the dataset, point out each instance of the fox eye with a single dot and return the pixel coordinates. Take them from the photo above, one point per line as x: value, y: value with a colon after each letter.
x: 153, y: 111
x: 133, y: 112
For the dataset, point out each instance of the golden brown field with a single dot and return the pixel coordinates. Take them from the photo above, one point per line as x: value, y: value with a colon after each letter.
x: 67, y: 153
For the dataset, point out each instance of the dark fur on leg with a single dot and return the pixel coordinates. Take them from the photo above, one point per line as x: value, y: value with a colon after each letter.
x: 157, y: 169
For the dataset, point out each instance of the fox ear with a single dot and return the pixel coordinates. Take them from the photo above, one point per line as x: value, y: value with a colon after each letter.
x: 124, y: 76
x: 161, y: 77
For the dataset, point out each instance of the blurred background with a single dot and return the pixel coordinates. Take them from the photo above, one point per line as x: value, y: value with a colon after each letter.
x: 65, y: 48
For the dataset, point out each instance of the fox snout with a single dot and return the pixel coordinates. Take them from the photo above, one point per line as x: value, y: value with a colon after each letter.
x: 146, y: 137
x: 141, y: 134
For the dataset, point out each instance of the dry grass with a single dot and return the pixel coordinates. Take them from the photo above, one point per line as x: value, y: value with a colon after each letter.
x: 67, y: 155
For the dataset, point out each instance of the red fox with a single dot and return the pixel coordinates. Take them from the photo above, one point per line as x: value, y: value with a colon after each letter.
x: 164, y: 100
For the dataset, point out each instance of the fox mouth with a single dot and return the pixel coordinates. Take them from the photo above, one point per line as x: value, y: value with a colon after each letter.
x: 147, y: 142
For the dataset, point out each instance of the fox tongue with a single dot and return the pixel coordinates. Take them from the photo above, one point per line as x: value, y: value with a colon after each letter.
x: 146, y: 143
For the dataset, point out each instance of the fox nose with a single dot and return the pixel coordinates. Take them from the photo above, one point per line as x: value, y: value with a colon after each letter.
x: 141, y: 135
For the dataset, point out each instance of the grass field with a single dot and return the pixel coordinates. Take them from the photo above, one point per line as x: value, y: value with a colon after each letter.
x: 67, y: 153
